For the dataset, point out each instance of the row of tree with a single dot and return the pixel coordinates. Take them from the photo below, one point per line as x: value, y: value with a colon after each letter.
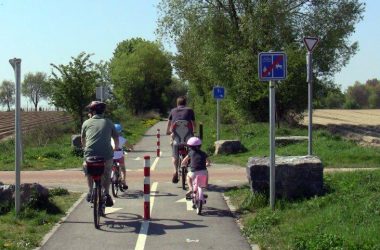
x: 359, y: 96
x: 218, y: 43
x: 139, y: 77
x: 34, y: 87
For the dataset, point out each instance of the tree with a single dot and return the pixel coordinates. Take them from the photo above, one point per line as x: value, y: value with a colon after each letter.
x: 359, y: 94
x: 7, y: 94
x: 35, y: 87
x: 373, y: 87
x: 140, y: 72
x: 218, y: 42
x: 72, y: 86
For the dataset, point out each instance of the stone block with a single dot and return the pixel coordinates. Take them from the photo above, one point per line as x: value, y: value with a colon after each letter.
x: 296, y: 176
x: 228, y: 147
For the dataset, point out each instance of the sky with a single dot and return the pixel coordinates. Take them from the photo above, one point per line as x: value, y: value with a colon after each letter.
x: 41, y: 32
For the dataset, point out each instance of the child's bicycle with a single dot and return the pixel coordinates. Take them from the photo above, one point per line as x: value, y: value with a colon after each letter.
x: 198, y: 196
x: 116, y: 180
x: 95, y: 168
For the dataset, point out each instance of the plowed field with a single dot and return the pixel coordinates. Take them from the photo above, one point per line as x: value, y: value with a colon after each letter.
x: 361, y: 125
x: 29, y: 121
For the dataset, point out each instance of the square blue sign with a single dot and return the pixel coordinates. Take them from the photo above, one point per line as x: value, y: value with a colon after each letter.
x: 272, y: 66
x: 218, y: 92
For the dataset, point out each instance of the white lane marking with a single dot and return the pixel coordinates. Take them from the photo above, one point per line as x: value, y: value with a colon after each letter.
x: 137, y: 158
x: 143, y: 234
x: 110, y: 210
x: 140, y: 244
x: 155, y: 163
x: 189, y: 203
x: 190, y: 240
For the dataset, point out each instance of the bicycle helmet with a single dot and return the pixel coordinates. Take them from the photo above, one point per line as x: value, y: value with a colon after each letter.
x: 97, y: 107
x: 194, y: 141
x: 118, y: 127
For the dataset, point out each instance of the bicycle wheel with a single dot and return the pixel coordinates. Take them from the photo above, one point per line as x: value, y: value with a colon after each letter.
x: 183, y: 176
x: 199, y: 204
x: 115, y: 182
x: 179, y: 170
x: 96, y: 194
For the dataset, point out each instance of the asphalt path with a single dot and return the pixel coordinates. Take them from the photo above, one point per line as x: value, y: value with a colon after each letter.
x: 173, y: 224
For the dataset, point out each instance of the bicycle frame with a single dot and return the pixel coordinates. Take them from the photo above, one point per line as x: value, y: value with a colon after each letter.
x: 116, y: 183
x: 199, y: 182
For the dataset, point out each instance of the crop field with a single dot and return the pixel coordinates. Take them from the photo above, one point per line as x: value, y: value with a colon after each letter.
x: 361, y: 125
x: 29, y: 120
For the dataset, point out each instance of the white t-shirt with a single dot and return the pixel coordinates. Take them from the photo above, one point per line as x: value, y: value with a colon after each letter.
x: 118, y: 154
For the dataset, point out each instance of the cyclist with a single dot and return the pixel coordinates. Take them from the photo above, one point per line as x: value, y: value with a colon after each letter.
x: 118, y: 154
x: 181, y: 112
x: 96, y: 136
x: 198, y: 162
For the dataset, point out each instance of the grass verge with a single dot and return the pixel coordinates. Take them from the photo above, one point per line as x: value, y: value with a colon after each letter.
x: 28, y: 229
x: 334, y: 151
x: 346, y: 217
x: 49, y: 147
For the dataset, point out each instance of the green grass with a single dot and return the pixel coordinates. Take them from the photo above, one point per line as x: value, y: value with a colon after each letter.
x: 346, y: 217
x: 50, y: 147
x: 334, y: 151
x: 28, y: 229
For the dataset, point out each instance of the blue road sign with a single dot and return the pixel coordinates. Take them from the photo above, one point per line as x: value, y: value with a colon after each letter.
x: 218, y: 92
x: 272, y: 66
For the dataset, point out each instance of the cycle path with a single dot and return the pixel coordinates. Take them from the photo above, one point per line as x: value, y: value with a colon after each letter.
x: 173, y: 224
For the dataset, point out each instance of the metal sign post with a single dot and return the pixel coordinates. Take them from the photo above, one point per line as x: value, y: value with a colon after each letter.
x: 310, y: 43
x: 218, y: 93
x: 272, y: 123
x: 272, y: 66
x: 16, y: 64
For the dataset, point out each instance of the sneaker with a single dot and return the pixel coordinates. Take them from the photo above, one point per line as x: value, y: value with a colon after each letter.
x: 175, y: 178
x: 109, y: 201
x: 88, y: 197
x: 125, y: 186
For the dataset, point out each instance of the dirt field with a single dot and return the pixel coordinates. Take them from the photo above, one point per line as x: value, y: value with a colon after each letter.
x: 361, y: 125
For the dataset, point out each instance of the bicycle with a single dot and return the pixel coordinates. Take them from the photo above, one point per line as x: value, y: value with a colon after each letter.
x: 182, y: 130
x: 181, y: 169
x: 198, y: 197
x: 95, y: 168
x: 116, y: 180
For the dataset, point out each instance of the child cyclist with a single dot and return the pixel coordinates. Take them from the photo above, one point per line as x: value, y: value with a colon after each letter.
x: 198, y: 162
x: 118, y: 154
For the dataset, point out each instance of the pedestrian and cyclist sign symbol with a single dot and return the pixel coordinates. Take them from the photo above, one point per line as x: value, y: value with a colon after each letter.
x: 218, y: 92
x: 272, y: 66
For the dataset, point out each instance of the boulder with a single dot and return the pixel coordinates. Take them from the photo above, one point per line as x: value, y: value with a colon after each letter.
x: 27, y: 191
x: 295, y: 176
x: 228, y: 147
x: 6, y: 192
